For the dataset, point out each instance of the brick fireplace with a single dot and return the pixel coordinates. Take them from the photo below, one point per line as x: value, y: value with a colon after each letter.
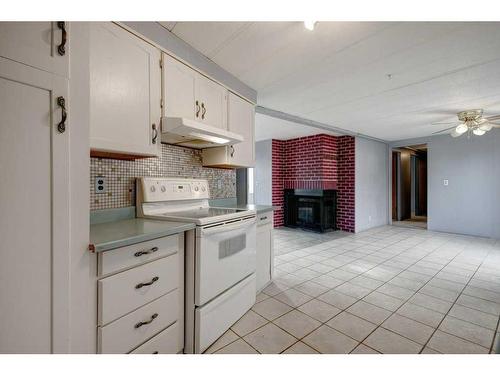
x: 315, y: 162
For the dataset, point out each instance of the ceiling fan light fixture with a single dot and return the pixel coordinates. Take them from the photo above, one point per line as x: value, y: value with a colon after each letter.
x: 478, y: 131
x: 485, y: 126
x: 455, y: 134
x: 462, y: 128
x: 309, y: 25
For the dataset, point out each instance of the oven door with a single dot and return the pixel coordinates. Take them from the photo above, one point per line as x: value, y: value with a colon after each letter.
x: 225, y: 255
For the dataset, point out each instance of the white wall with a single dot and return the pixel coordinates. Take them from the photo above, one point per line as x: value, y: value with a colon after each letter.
x: 263, y: 173
x: 470, y: 204
x: 371, y: 184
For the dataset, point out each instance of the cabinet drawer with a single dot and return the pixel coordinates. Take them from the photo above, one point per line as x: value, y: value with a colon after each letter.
x: 128, y: 290
x: 130, y: 256
x: 126, y: 333
x: 264, y: 218
x: 166, y: 342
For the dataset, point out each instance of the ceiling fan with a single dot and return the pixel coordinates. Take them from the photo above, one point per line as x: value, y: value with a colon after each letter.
x: 470, y: 122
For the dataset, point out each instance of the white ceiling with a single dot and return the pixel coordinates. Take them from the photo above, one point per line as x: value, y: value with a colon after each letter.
x: 267, y: 127
x: 338, y: 73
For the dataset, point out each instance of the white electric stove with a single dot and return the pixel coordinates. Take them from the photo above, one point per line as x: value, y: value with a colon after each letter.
x: 220, y: 255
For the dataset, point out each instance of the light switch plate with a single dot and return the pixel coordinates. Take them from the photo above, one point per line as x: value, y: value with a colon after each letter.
x: 445, y: 182
x: 100, y: 185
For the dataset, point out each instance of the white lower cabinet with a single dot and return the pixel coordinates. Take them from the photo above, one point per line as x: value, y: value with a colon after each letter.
x: 163, y: 343
x: 265, y: 250
x: 141, y: 305
x: 34, y: 202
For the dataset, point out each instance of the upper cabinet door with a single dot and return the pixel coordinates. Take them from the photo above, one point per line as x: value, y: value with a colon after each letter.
x: 179, y: 83
x: 43, y: 45
x: 241, y: 120
x: 213, y: 101
x: 125, y: 92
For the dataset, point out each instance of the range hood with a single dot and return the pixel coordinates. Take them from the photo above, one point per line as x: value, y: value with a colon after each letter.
x: 185, y: 132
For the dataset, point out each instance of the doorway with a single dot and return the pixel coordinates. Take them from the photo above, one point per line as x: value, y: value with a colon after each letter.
x: 409, y: 186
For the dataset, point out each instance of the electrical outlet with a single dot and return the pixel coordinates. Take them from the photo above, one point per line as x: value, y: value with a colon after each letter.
x: 100, y: 184
x: 445, y: 182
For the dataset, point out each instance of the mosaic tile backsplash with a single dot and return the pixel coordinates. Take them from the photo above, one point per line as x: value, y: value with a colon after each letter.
x: 174, y: 162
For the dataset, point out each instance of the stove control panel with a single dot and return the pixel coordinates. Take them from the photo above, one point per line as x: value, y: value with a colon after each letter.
x: 154, y: 189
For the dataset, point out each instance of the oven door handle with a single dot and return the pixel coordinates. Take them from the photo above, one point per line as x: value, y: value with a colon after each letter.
x: 228, y: 227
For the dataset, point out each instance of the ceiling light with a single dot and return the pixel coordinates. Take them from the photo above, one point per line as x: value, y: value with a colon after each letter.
x: 478, y: 131
x: 486, y: 126
x: 455, y: 134
x: 461, y: 129
x: 309, y: 25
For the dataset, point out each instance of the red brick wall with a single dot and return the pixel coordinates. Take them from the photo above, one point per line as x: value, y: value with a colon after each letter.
x: 278, y: 174
x: 310, y: 163
x: 345, y: 190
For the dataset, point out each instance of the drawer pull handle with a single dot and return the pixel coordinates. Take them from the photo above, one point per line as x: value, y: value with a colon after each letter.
x: 155, y: 134
x: 61, y: 126
x: 197, y: 108
x: 203, y: 111
x: 156, y: 352
x: 153, y: 280
x: 61, y: 48
x: 263, y: 218
x: 140, y: 324
x: 145, y: 252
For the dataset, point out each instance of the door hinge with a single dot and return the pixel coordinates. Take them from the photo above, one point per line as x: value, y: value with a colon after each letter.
x: 161, y: 63
x: 161, y: 103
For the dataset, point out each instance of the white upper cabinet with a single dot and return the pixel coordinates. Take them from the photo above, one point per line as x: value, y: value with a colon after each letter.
x: 190, y: 94
x: 43, y: 45
x: 125, y: 93
x: 212, y: 99
x: 179, y: 83
x: 241, y: 120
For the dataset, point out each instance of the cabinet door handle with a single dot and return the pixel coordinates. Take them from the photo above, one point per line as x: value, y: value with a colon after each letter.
x: 140, y: 324
x: 146, y: 252
x: 155, y: 133
x: 263, y: 218
x: 232, y: 151
x: 61, y: 48
x: 153, y: 280
x: 156, y: 352
x: 61, y: 126
x: 197, y: 108
x: 203, y: 111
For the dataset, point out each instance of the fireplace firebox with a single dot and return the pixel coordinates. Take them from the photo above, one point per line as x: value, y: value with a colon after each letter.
x: 312, y: 209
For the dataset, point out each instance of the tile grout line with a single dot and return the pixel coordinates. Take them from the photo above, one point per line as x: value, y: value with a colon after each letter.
x: 456, y: 299
x: 373, y: 253
x: 360, y: 299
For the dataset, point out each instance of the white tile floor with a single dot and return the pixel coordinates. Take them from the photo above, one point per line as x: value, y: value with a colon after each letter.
x: 386, y: 290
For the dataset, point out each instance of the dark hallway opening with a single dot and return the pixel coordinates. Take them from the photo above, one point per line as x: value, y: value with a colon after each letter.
x: 409, y: 186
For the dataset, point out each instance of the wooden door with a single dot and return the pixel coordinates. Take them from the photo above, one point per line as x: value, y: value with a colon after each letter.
x: 421, y: 185
x: 125, y: 92
x: 241, y: 116
x: 395, y: 186
x: 213, y: 102
x: 38, y: 44
x: 34, y: 202
x: 179, y: 82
